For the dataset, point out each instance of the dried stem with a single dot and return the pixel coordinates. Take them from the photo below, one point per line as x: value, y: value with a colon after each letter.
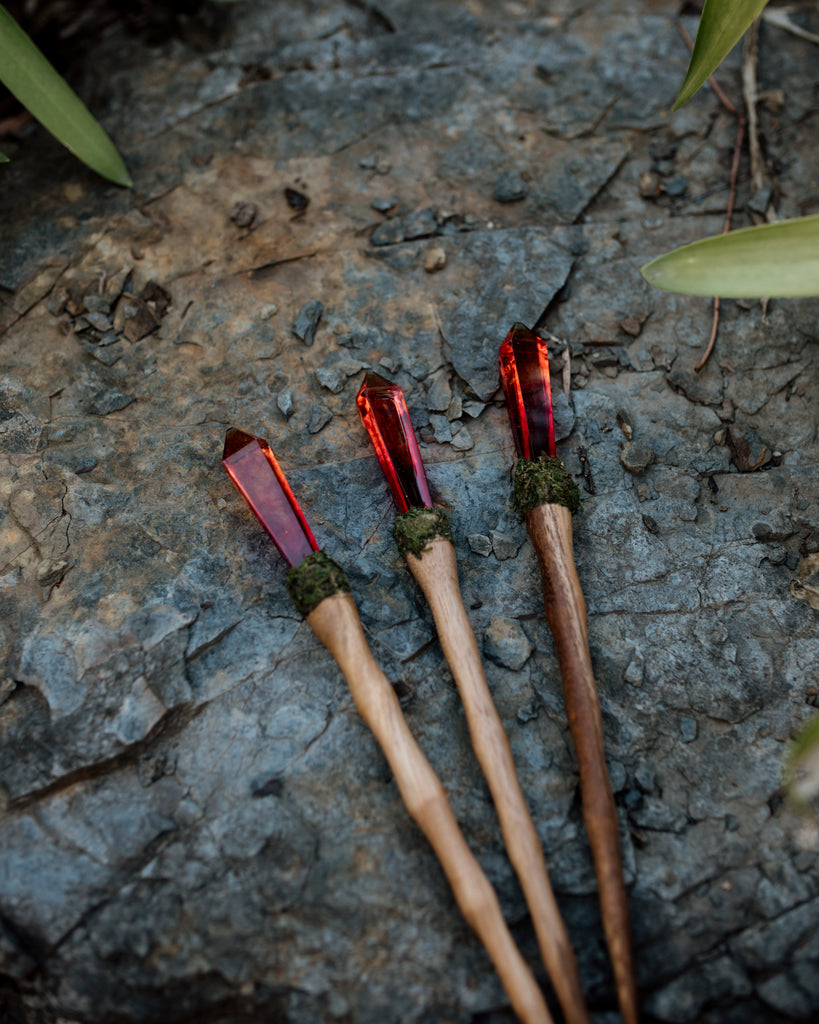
x: 336, y: 623
x: 550, y: 527
x: 732, y: 187
x: 437, y: 575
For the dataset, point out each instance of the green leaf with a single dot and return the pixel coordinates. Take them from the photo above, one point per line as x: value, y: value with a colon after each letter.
x: 29, y: 76
x: 722, y: 25
x: 3, y: 158
x: 770, y: 261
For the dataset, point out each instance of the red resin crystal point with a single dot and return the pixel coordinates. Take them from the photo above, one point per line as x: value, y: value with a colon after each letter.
x: 383, y: 411
x: 252, y: 467
x: 524, y: 368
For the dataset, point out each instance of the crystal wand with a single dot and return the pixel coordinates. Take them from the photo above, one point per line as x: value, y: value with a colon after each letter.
x: 423, y: 533
x: 320, y: 592
x: 547, y: 496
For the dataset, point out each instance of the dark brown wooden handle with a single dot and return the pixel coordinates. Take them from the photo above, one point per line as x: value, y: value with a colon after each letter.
x: 336, y: 623
x: 550, y: 527
x: 437, y: 575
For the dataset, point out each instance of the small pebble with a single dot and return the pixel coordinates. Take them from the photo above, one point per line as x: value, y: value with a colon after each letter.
x: 96, y: 304
x: 480, y: 544
x: 384, y: 205
x: 243, y: 214
x: 307, y: 321
x: 649, y: 185
x: 296, y: 200
x: 284, y: 401
x: 510, y: 188
x: 441, y: 428
x: 434, y: 260
x: 645, y: 778
x: 320, y: 416
x: 506, y: 644
x: 636, y: 457
x: 462, y: 442
x: 676, y: 186
x: 389, y: 233
x: 439, y: 394
x: 634, y: 673
x: 266, y: 312
x: 503, y: 545
x: 420, y: 224
x: 625, y: 424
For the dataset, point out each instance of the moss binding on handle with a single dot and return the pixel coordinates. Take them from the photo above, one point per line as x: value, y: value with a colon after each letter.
x: 545, y: 481
x: 314, y: 579
x: 415, y: 530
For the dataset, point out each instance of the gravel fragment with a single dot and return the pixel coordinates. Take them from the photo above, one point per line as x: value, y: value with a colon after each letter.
x: 389, y: 233
x: 420, y: 224
x: 284, y: 400
x: 510, y: 188
x: 440, y: 428
x: 676, y: 186
x: 384, y: 205
x: 320, y: 416
x: 636, y: 457
x: 439, y: 394
x: 506, y: 644
x: 503, y: 545
x: 462, y: 441
x: 305, y: 324
x: 480, y: 543
x: 434, y: 259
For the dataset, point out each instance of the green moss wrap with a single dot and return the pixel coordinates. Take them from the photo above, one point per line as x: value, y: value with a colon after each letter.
x: 544, y: 482
x: 317, y: 577
x: 415, y: 530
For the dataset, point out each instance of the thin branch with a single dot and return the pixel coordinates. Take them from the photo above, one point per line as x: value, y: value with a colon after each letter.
x: 732, y: 188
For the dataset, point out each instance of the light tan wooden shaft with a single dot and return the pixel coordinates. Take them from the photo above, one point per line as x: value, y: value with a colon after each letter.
x: 437, y: 575
x: 336, y: 623
x: 550, y: 527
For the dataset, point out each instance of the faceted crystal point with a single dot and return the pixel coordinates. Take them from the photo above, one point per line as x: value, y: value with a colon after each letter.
x: 383, y: 411
x: 524, y: 367
x: 252, y: 467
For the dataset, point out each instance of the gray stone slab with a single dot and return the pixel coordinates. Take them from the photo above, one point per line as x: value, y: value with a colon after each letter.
x: 196, y: 822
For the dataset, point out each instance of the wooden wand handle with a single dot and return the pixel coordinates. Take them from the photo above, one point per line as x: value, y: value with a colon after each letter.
x: 336, y: 623
x: 550, y: 527
x: 437, y: 575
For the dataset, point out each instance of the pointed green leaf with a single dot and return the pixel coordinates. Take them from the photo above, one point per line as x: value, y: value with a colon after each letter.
x: 29, y: 76
x: 3, y: 158
x: 770, y: 261
x: 722, y: 25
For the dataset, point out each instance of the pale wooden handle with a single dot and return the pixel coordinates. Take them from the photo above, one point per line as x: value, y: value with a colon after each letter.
x: 437, y: 575
x: 336, y: 623
x: 550, y: 527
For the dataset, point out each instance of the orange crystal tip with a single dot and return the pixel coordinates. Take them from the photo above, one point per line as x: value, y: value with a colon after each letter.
x: 524, y: 369
x: 383, y: 411
x: 252, y: 467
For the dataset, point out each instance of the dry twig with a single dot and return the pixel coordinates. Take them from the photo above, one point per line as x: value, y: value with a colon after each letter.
x: 732, y: 186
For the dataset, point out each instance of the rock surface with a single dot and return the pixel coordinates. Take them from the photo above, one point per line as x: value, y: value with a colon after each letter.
x: 196, y: 824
